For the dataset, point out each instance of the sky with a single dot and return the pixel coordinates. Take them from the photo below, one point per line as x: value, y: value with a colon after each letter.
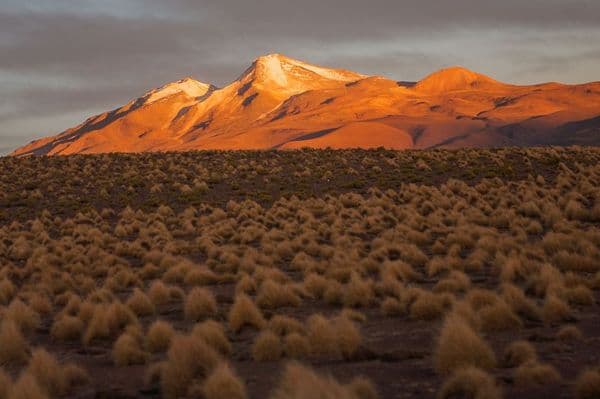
x: 62, y: 61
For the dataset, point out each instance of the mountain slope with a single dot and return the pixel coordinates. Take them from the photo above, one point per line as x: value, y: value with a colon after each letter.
x: 280, y: 102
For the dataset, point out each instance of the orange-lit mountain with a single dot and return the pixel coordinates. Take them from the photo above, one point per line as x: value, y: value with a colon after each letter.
x: 280, y: 102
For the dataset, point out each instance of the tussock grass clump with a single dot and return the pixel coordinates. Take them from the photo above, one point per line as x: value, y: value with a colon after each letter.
x: 27, y: 387
x: 300, y: 382
x: 358, y: 292
x: 555, y: 310
x: 459, y: 346
x: 534, y: 373
x: 518, y: 353
x: 587, y: 385
x: 13, y: 347
x: 5, y: 385
x: 159, y: 336
x: 499, y: 317
x: 244, y: 312
x: 272, y: 295
x: 140, y: 304
x: 348, y: 336
x: 470, y: 383
x: 392, y: 307
x: 127, y: 350
x: 213, y: 333
x: 569, y: 333
x: 52, y: 378
x: 199, y: 304
x: 267, y: 347
x: 25, y: 318
x: 222, y: 383
x: 296, y: 346
x: 188, y: 358
x: 322, y: 336
x: 282, y: 325
x: 67, y: 328
x: 427, y: 306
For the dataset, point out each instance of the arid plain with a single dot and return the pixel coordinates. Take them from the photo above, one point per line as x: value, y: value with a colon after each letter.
x: 346, y: 274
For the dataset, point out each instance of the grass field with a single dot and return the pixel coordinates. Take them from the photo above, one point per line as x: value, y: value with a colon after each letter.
x: 354, y: 274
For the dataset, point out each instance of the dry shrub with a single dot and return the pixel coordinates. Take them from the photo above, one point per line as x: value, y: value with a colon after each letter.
x: 140, y: 304
x: 199, y: 304
x: 392, y: 307
x: 200, y: 276
x: 363, y: 388
x: 25, y: 318
x: 358, y: 292
x: 470, y: 383
x: 334, y: 294
x: 188, y: 358
x: 456, y: 282
x: 213, y: 333
x: 40, y: 304
x: 7, y: 291
x: 5, y: 385
x: 580, y: 295
x: 348, y: 336
x: 283, y: 325
x: 315, y: 285
x: 67, y: 328
x: 107, y: 320
x: 300, y: 382
x: 555, y: 310
x: 159, y: 336
x: 159, y: 293
x: 267, y: 347
x: 272, y: 295
x: 222, y: 383
x: 518, y: 353
x: 13, y: 347
x: 296, y: 346
x: 519, y: 303
x: 569, y: 333
x: 244, y: 312
x: 127, y: 350
x: 587, y: 385
x: 52, y: 378
x: 459, y: 346
x: 534, y: 373
x: 27, y: 387
x: 322, y: 336
x: 354, y: 315
x: 499, y: 317
x: 427, y: 306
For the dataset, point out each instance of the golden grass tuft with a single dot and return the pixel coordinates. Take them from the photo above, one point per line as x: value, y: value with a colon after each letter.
x: 13, y: 347
x: 199, y: 304
x: 459, y: 346
x: 159, y: 336
x: 188, y: 358
x: 322, y: 336
x: 213, y: 333
x: 499, y: 317
x: 244, y: 312
x: 587, y: 385
x: 67, y: 328
x: 222, y: 383
x: 569, y: 333
x: 555, y: 310
x: 363, y: 388
x: 296, y: 346
x: 470, y: 383
x: 273, y: 295
x: 25, y: 318
x: 140, y: 304
x: 518, y: 353
x: 267, y: 347
x: 27, y: 387
x: 5, y: 384
x: 127, y: 350
x: 300, y: 382
x: 534, y: 373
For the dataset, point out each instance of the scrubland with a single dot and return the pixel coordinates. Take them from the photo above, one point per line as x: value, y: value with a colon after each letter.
x: 356, y: 274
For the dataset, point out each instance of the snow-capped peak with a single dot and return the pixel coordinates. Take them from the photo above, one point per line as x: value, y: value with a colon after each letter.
x: 283, y: 70
x: 191, y: 87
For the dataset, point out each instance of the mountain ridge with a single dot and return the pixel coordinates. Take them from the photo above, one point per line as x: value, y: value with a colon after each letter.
x: 281, y: 102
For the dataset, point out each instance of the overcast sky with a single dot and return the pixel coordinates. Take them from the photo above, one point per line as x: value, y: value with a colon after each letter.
x: 64, y: 60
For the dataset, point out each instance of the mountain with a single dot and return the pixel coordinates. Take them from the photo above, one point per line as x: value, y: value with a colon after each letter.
x: 280, y: 102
